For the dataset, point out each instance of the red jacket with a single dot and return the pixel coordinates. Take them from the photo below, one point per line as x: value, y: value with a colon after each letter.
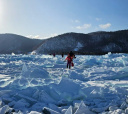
x: 69, y: 58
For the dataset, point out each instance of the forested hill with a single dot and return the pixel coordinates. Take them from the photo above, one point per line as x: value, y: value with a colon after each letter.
x: 12, y: 43
x: 93, y: 43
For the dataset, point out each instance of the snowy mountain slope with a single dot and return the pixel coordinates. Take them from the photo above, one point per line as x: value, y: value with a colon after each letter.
x: 78, y: 47
x: 17, y: 44
x: 58, y: 44
x: 92, y: 43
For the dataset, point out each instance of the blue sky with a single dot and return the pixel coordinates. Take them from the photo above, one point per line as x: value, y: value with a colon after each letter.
x: 46, y: 18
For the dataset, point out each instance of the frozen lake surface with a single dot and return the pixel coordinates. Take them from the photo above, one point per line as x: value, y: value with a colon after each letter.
x: 34, y: 84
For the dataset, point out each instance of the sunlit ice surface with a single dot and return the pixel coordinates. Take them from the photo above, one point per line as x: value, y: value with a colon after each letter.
x: 30, y: 83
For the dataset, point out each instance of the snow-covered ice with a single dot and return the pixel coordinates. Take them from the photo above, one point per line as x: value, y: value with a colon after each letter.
x: 35, y: 84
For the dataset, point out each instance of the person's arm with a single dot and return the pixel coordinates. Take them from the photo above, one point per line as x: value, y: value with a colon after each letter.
x: 66, y: 58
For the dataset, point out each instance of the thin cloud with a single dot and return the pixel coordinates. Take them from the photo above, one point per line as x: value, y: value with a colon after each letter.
x: 98, y: 19
x: 85, y: 26
x: 75, y: 21
x: 42, y: 37
x: 51, y: 35
x: 35, y: 37
x: 105, y: 26
x: 29, y: 36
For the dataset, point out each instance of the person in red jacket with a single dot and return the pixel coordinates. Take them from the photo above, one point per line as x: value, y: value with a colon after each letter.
x: 69, y: 61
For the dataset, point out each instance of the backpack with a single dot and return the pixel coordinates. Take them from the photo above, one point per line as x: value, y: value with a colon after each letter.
x: 72, y: 64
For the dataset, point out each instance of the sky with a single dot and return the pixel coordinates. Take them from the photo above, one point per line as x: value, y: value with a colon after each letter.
x: 48, y: 18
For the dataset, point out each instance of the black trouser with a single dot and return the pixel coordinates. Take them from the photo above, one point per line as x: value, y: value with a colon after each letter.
x: 68, y: 64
